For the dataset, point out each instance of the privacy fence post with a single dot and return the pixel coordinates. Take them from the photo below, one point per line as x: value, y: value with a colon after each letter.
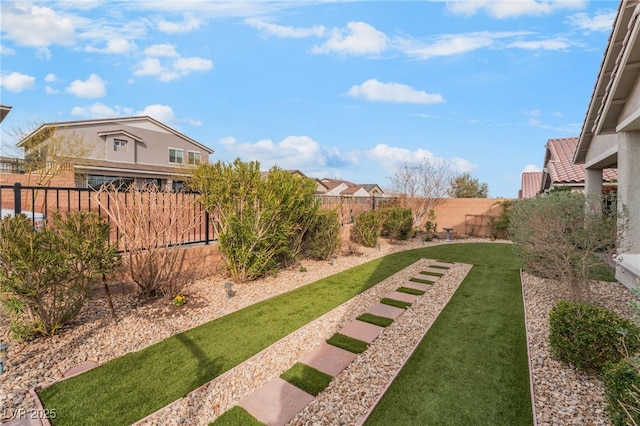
x: 17, y: 200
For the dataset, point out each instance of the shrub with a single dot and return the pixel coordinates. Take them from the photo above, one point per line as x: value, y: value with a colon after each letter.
x: 322, y: 240
x: 366, y: 230
x: 396, y: 223
x: 589, y: 337
x: 557, y: 237
x: 622, y: 389
x: 48, y: 273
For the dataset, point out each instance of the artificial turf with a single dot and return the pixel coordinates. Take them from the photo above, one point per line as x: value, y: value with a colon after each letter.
x: 307, y: 378
x: 375, y: 320
x: 471, y: 368
x: 348, y: 343
x: 236, y: 416
x: 421, y: 281
x: 413, y: 291
x: 395, y: 303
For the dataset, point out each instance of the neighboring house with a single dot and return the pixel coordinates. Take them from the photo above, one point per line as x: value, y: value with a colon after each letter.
x: 559, y: 169
x: 4, y: 110
x: 129, y: 150
x: 610, y: 134
x: 530, y: 184
x: 344, y: 188
x: 373, y: 190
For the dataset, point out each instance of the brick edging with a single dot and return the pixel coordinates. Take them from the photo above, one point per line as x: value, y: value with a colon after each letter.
x: 526, y: 331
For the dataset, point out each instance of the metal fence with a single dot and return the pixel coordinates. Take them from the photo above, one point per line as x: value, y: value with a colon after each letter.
x: 32, y: 200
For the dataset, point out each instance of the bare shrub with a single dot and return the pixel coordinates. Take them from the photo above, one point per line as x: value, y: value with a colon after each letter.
x: 152, y: 227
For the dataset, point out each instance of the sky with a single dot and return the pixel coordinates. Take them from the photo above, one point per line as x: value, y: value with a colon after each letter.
x: 350, y: 90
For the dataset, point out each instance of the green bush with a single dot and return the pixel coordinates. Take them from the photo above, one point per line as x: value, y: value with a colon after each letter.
x: 47, y: 274
x: 396, y: 223
x: 322, y: 240
x: 367, y: 228
x: 590, y: 337
x: 622, y: 388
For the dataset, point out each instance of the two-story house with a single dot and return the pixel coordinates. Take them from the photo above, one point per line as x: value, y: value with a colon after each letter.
x: 128, y: 150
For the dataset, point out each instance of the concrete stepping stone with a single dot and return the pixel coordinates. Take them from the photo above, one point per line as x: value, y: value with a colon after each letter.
x: 362, y: 331
x: 386, y: 311
x: 427, y: 277
x: 416, y: 286
x: 443, y: 264
x: 403, y: 297
x: 276, y: 403
x: 80, y: 368
x: 329, y: 359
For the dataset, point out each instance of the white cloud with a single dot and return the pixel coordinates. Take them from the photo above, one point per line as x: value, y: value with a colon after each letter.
x: 509, y: 8
x: 162, y: 50
x: 50, y: 78
x: 97, y: 110
x: 162, y: 113
x: 453, y: 44
x: 392, y: 158
x: 189, y: 23
x: 92, y: 87
x: 17, y: 82
x: 176, y: 67
x: 548, y: 44
x: 358, y: 38
x: 34, y: 26
x: 50, y: 90
x: 601, y: 22
x: 530, y: 168
x: 374, y: 90
x: 284, y: 31
x: 115, y: 46
x: 4, y: 50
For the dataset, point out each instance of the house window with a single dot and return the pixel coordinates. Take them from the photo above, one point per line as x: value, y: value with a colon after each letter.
x: 119, y: 144
x: 175, y: 155
x: 194, y: 158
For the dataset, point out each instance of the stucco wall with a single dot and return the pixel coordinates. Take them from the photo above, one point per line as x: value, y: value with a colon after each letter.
x: 467, y: 216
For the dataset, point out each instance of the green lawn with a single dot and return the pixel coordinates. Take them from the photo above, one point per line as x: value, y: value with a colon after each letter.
x: 471, y: 367
x: 127, y: 389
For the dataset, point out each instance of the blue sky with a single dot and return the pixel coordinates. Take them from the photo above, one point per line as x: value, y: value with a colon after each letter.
x: 341, y: 89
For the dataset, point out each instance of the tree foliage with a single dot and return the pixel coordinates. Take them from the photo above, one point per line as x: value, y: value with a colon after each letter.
x: 420, y: 186
x: 262, y: 220
x: 559, y: 238
x: 47, y: 274
x: 466, y: 186
x: 366, y: 231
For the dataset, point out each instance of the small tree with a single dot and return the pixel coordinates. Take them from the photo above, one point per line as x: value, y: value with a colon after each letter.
x: 421, y: 186
x: 559, y: 238
x: 47, y: 274
x: 465, y: 186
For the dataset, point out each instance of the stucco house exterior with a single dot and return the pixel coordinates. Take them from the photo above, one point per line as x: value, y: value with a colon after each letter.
x: 128, y: 150
x: 610, y: 135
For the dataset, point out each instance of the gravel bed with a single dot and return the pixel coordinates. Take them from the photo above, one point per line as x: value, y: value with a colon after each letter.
x: 564, y: 395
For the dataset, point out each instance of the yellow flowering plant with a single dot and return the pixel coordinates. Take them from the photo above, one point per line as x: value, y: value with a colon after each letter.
x: 179, y: 300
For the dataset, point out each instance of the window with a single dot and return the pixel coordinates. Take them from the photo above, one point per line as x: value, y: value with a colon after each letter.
x: 119, y: 143
x: 175, y: 156
x: 194, y: 158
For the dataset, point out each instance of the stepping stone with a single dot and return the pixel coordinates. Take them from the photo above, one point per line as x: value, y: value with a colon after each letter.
x: 81, y: 368
x: 362, y: 331
x: 386, y: 311
x: 276, y: 403
x: 417, y: 286
x: 329, y: 359
x: 28, y: 421
x: 443, y: 264
x: 427, y: 277
x: 403, y: 297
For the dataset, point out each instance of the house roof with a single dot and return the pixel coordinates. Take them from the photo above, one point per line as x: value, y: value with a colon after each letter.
x: 616, y: 77
x: 371, y: 186
x: 4, y: 110
x: 117, y: 167
x: 121, y: 120
x: 530, y: 185
x: 559, y: 165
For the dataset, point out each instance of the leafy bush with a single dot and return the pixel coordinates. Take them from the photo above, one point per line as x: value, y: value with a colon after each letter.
x: 262, y: 219
x: 367, y: 228
x: 48, y: 273
x: 589, y: 337
x: 322, y: 240
x: 396, y: 223
x: 499, y: 226
x: 622, y: 388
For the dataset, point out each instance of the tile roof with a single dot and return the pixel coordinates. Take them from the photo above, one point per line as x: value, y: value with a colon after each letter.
x: 559, y: 163
x: 530, y: 185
